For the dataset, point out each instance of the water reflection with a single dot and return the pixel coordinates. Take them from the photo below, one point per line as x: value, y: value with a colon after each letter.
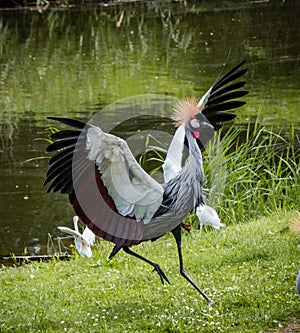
x: 71, y: 63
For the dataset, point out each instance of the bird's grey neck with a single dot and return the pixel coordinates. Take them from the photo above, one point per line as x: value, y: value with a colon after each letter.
x: 182, y: 193
x: 190, y: 181
x: 195, y: 157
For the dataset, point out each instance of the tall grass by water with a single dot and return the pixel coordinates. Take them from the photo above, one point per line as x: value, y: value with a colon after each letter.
x: 261, y: 171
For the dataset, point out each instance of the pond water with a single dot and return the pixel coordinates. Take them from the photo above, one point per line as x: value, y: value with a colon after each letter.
x: 73, y: 63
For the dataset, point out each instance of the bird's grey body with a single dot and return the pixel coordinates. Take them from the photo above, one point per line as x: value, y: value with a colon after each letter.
x: 183, y: 193
x: 172, y: 167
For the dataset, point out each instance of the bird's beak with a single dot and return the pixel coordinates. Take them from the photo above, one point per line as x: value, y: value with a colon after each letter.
x: 206, y: 126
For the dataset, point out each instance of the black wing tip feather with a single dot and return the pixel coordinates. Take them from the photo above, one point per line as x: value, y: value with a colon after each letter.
x: 64, y: 134
x: 61, y: 144
x: 231, y: 95
x: 234, y: 73
x: 228, y: 78
x: 223, y: 106
x: 59, y: 174
x: 68, y: 121
x: 224, y: 93
x: 233, y: 69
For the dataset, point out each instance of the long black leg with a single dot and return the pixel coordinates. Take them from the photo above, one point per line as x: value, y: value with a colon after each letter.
x: 114, y: 251
x: 156, y: 267
x: 177, y: 235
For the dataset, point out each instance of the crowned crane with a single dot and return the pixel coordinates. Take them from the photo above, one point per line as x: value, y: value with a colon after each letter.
x: 84, y: 241
x: 115, y: 197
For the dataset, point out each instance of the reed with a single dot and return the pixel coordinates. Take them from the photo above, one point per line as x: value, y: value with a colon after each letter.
x: 261, y: 171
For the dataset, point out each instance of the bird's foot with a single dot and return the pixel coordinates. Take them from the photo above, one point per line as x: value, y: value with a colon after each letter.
x: 161, y: 274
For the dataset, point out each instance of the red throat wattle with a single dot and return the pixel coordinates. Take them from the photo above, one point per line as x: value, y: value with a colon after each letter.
x: 196, y: 135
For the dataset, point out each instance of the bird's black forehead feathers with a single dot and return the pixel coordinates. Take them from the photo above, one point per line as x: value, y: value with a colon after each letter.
x: 201, y: 118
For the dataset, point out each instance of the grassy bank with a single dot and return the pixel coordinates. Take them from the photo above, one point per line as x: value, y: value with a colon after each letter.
x: 249, y: 270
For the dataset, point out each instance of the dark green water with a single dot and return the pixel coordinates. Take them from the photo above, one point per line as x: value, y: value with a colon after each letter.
x: 72, y: 63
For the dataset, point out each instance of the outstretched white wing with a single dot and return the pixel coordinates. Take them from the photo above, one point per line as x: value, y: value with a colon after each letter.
x: 75, y: 234
x: 208, y: 216
x: 204, y: 99
x: 134, y: 192
x: 89, y: 236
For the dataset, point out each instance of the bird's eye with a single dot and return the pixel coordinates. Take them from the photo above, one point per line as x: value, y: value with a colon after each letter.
x: 194, y: 123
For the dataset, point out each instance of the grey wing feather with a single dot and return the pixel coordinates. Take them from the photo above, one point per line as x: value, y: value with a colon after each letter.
x: 134, y: 192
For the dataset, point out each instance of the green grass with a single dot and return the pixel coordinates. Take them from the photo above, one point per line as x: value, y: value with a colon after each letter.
x: 249, y: 270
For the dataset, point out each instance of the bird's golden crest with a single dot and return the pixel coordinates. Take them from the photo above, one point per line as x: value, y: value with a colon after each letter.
x: 184, y: 111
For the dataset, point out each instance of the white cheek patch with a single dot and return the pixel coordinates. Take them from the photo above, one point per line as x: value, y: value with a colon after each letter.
x: 194, y: 123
